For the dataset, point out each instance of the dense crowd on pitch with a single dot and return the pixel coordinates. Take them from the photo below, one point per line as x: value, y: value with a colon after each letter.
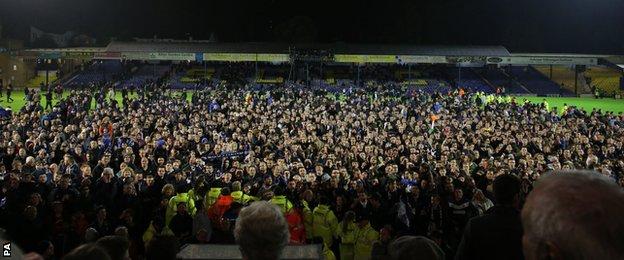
x: 352, y: 170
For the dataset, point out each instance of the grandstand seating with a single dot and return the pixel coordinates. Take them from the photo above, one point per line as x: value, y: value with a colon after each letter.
x: 417, y: 82
x: 498, y: 78
x: 469, y: 79
x: 197, y: 74
x: 516, y: 80
x: 565, y: 76
x: 147, y: 73
x: 192, y: 78
x: 270, y: 76
x: 605, y: 79
x: 536, y: 82
x: 436, y: 86
x: 432, y: 86
x: 99, y: 71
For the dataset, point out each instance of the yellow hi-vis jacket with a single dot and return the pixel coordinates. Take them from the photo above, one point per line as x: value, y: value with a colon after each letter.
x: 173, y: 206
x: 283, y: 203
x: 242, y: 198
x: 308, y: 220
x: 151, y: 232
x: 347, y: 240
x: 211, y: 197
x: 364, y: 239
x: 324, y: 223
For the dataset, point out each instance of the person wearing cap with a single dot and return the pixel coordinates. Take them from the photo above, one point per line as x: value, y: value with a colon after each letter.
x: 324, y: 222
x: 181, y: 196
x: 364, y: 238
x: 325, y: 178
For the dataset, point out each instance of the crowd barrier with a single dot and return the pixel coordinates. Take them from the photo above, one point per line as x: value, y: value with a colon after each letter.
x: 232, y: 252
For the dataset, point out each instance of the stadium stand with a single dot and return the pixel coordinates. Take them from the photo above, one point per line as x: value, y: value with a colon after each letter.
x: 98, y: 71
x: 147, y: 73
x: 468, y: 79
x: 564, y: 76
x: 536, y: 82
x: 605, y: 79
x: 497, y: 78
x: 270, y: 76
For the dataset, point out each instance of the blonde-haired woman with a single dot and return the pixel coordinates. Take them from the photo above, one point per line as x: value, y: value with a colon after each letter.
x: 168, y: 191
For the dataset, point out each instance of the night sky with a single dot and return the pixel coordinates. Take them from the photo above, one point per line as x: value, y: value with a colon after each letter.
x: 587, y: 26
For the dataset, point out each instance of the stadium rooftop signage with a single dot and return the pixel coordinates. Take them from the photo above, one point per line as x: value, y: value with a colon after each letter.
x: 336, y: 53
x: 543, y: 60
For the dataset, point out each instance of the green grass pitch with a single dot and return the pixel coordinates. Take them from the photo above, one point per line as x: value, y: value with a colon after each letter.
x: 606, y: 104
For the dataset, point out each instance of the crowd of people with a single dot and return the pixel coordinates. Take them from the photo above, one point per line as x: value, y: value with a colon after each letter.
x: 352, y: 171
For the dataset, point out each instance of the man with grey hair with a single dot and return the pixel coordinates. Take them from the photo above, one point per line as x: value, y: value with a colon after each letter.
x: 261, y: 231
x: 574, y: 215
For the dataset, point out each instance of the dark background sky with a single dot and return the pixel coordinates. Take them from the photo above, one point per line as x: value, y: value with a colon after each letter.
x: 589, y: 26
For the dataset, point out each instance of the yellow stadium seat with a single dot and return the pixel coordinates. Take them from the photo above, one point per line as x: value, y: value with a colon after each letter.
x: 605, y: 79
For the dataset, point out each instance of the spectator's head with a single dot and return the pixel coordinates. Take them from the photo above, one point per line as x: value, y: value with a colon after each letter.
x: 168, y: 190
x: 87, y: 251
x: 267, y: 195
x: 181, y: 208
x: 507, y: 190
x: 236, y: 186
x: 115, y: 246
x: 121, y: 231
x: 101, y: 213
x: 107, y: 175
x: 225, y: 191
x: 574, y: 215
x: 30, y: 213
x: 261, y: 231
x: 162, y: 248
x: 407, y: 247
x: 91, y: 235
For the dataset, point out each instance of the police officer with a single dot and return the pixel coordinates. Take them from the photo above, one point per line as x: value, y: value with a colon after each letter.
x: 238, y: 195
x: 281, y: 201
x: 365, y: 237
x: 324, y: 223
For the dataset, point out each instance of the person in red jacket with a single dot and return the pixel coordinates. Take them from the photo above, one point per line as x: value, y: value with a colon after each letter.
x: 223, y: 204
x: 295, y: 226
